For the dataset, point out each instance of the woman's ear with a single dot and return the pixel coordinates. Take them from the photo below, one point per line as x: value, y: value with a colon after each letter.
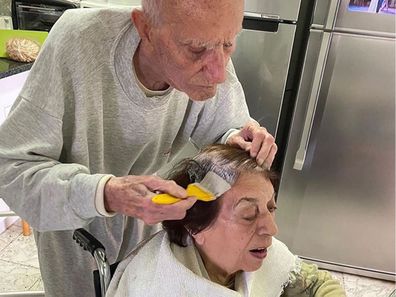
x: 199, y: 238
x: 142, y: 24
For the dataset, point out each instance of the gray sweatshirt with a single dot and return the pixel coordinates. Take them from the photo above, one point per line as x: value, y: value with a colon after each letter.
x: 80, y: 116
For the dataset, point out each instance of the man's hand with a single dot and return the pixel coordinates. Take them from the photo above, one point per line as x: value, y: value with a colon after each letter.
x: 131, y: 196
x: 257, y: 141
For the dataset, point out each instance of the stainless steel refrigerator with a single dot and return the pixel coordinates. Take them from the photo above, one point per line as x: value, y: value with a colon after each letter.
x: 263, y: 56
x: 325, y: 74
x: 268, y: 61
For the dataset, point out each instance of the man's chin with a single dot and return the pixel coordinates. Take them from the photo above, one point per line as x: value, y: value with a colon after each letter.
x: 202, y: 94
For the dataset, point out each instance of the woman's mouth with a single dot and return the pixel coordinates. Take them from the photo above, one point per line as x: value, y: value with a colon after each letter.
x: 259, y: 253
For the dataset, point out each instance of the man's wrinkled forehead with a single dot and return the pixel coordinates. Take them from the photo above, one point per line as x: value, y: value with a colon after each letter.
x: 198, y: 24
x: 195, y: 8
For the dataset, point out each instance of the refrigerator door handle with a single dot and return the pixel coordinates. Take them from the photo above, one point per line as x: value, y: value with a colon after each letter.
x: 261, y: 16
x: 259, y: 22
x: 332, y: 14
x: 312, y: 103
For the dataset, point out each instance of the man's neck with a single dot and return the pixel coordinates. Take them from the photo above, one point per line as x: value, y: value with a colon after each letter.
x: 146, y: 72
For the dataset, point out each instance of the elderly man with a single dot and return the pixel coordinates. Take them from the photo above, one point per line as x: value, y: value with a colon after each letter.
x: 108, y: 102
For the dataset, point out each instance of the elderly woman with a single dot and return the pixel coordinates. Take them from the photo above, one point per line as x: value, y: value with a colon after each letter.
x: 222, y: 248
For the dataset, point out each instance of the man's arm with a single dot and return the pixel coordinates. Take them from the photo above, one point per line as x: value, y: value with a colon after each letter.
x: 38, y: 145
x: 46, y: 193
x: 51, y: 195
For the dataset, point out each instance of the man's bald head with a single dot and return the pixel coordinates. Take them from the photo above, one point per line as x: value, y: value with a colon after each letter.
x: 159, y: 10
x: 152, y: 9
x: 186, y: 44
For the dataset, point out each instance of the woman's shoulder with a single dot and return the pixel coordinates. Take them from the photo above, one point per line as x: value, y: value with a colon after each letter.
x: 137, y: 266
x: 145, y: 251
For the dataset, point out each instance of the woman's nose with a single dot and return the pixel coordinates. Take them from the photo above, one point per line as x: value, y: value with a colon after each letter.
x: 266, y: 225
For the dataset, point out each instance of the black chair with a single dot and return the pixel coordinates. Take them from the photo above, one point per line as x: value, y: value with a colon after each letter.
x: 103, y: 275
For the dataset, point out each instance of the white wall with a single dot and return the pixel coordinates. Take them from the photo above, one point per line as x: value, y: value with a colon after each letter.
x: 10, y: 87
x: 9, y: 90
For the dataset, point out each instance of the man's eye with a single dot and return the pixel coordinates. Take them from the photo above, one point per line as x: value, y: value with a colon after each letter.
x: 197, y: 50
x: 228, y: 45
x: 272, y: 209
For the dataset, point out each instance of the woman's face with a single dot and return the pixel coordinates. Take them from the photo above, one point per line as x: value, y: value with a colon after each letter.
x: 239, y: 238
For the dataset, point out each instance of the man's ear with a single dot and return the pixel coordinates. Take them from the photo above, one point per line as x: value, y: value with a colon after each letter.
x: 141, y: 23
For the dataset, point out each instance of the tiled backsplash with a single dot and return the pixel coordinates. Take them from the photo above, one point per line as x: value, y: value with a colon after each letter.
x: 5, y: 7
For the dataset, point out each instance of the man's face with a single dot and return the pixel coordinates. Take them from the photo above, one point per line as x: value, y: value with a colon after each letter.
x: 194, y: 44
x: 239, y: 238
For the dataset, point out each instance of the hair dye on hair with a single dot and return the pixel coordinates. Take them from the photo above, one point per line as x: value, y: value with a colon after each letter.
x: 226, y: 161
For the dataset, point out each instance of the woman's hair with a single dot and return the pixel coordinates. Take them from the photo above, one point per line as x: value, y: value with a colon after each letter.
x: 226, y: 161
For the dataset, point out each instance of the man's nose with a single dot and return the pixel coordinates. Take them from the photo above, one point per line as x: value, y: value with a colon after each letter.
x: 267, y: 225
x: 215, y: 65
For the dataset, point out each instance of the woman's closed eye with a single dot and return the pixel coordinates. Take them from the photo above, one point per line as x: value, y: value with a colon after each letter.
x: 249, y: 218
x: 249, y: 214
x: 246, y: 209
x: 271, y: 205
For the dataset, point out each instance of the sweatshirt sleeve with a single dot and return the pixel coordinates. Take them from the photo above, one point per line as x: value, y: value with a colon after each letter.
x: 46, y: 193
x: 310, y: 281
x: 49, y: 194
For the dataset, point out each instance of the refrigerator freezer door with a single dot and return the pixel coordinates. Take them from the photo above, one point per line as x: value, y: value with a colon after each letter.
x: 339, y: 210
x: 261, y: 62
x: 344, y: 16
x: 284, y: 9
x: 363, y: 21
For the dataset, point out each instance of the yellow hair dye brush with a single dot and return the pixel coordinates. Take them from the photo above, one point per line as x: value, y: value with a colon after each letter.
x: 211, y: 187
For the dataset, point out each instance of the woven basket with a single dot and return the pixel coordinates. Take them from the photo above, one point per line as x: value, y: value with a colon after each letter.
x: 22, y: 50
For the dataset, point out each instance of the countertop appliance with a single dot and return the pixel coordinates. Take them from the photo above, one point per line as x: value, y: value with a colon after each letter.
x: 38, y: 15
x: 320, y: 76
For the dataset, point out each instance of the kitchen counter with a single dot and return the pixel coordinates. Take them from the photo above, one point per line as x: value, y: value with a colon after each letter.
x: 8, y: 67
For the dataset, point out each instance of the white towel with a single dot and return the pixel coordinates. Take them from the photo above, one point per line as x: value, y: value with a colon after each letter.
x: 155, y: 271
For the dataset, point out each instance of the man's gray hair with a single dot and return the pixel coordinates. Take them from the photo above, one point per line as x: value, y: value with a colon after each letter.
x: 155, y: 9
x: 152, y: 9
